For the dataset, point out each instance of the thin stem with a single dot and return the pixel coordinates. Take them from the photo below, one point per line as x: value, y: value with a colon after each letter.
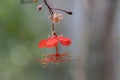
x: 68, y: 12
x: 49, y: 8
x: 56, y: 49
x: 51, y: 13
x: 53, y: 30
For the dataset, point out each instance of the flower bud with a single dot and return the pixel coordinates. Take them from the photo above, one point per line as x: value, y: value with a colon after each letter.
x: 39, y: 7
x: 70, y: 13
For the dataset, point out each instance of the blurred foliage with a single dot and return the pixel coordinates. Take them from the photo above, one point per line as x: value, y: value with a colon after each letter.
x: 21, y: 28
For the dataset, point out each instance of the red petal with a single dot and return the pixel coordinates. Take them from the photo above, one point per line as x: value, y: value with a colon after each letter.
x: 52, y: 42
x: 42, y: 44
x: 64, y: 41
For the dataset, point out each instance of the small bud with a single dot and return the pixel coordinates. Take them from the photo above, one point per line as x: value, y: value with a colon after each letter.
x: 39, y: 7
x: 70, y: 13
x: 53, y: 32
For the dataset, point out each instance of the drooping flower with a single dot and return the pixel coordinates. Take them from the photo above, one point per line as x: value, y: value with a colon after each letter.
x: 56, y: 18
x: 53, y: 41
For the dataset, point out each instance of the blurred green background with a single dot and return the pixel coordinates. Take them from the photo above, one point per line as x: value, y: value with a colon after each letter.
x: 21, y: 28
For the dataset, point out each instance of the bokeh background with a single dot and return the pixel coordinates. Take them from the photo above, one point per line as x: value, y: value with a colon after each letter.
x: 93, y: 28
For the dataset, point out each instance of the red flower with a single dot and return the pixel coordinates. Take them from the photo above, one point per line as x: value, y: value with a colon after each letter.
x: 55, y: 58
x: 53, y: 41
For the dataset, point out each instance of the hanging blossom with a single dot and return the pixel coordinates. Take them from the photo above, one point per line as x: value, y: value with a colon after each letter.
x: 53, y: 41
